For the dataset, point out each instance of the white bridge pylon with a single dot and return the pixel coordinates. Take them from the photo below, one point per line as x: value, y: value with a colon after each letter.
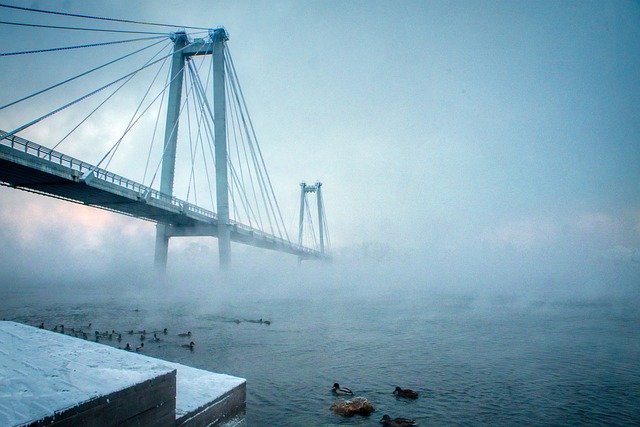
x: 184, y: 49
x: 306, y: 217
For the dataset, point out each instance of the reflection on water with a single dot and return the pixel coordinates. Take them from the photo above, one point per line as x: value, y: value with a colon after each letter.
x: 475, y: 361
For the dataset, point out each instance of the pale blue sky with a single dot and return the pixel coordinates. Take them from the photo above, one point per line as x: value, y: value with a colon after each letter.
x: 475, y: 138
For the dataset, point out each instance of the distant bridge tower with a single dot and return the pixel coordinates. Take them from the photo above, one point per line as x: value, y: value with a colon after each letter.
x: 183, y: 49
x: 323, y: 233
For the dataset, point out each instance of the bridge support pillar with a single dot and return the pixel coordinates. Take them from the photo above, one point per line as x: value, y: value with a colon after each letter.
x: 220, y: 37
x: 162, y: 248
x: 321, y: 218
x: 180, y: 40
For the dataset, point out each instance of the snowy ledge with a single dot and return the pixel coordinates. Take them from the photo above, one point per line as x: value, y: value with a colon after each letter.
x: 44, y: 373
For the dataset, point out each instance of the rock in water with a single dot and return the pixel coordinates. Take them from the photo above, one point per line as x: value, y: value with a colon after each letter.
x: 355, y: 406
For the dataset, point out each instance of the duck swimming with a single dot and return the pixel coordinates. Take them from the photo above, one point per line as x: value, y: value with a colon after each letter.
x: 188, y: 334
x: 342, y: 391
x: 189, y: 346
x: 409, y: 394
x: 138, y: 349
x: 396, y: 422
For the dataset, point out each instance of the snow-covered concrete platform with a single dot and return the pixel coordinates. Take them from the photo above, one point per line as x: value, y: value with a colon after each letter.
x: 47, y: 378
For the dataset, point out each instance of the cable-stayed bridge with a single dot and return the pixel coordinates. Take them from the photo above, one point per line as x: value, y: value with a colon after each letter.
x: 207, y: 116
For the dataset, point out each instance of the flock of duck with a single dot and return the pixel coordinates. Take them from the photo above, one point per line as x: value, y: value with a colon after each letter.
x: 260, y: 321
x: 143, y: 335
x: 360, y: 405
x: 86, y: 332
x: 357, y: 405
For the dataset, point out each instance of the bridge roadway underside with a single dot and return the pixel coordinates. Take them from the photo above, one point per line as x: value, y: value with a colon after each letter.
x: 30, y: 173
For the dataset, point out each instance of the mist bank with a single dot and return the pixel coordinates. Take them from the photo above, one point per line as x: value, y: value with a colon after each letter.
x: 360, y: 275
x: 54, y: 249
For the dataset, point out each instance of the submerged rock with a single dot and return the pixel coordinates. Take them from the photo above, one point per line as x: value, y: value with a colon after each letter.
x: 355, y: 406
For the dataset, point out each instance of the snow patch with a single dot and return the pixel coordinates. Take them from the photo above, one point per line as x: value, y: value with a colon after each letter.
x: 42, y: 372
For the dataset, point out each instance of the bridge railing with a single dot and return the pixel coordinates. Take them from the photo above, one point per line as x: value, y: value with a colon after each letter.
x: 84, y: 169
x: 276, y: 239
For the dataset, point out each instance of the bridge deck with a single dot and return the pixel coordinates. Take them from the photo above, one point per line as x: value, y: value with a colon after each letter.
x: 28, y: 166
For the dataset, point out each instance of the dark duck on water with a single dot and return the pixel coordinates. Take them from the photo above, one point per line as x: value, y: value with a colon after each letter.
x: 405, y: 392
x: 387, y: 421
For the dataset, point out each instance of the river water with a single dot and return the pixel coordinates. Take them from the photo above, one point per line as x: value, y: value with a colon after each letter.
x: 475, y: 360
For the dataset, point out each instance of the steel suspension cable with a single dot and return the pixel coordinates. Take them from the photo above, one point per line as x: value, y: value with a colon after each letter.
x: 77, y: 100
x: 236, y: 182
x: 242, y: 194
x: 234, y: 176
x: 62, y: 27
x: 55, y: 49
x: 175, y: 125
x: 155, y: 127
x: 234, y: 205
x: 205, y: 113
x: 258, y: 147
x: 260, y: 173
x: 194, y: 78
x: 239, y: 183
x: 117, y: 144
x: 205, y: 117
x: 200, y: 94
x: 208, y: 131
x: 324, y: 222
x: 191, y: 156
x: 132, y: 122
x: 309, y: 220
x: 102, y: 103
x: 260, y: 177
x: 235, y: 126
x: 79, y: 75
x: 192, y: 179
x: 100, y: 18
x: 235, y: 114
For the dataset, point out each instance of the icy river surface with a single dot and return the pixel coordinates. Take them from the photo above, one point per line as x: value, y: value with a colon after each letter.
x: 477, y: 361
